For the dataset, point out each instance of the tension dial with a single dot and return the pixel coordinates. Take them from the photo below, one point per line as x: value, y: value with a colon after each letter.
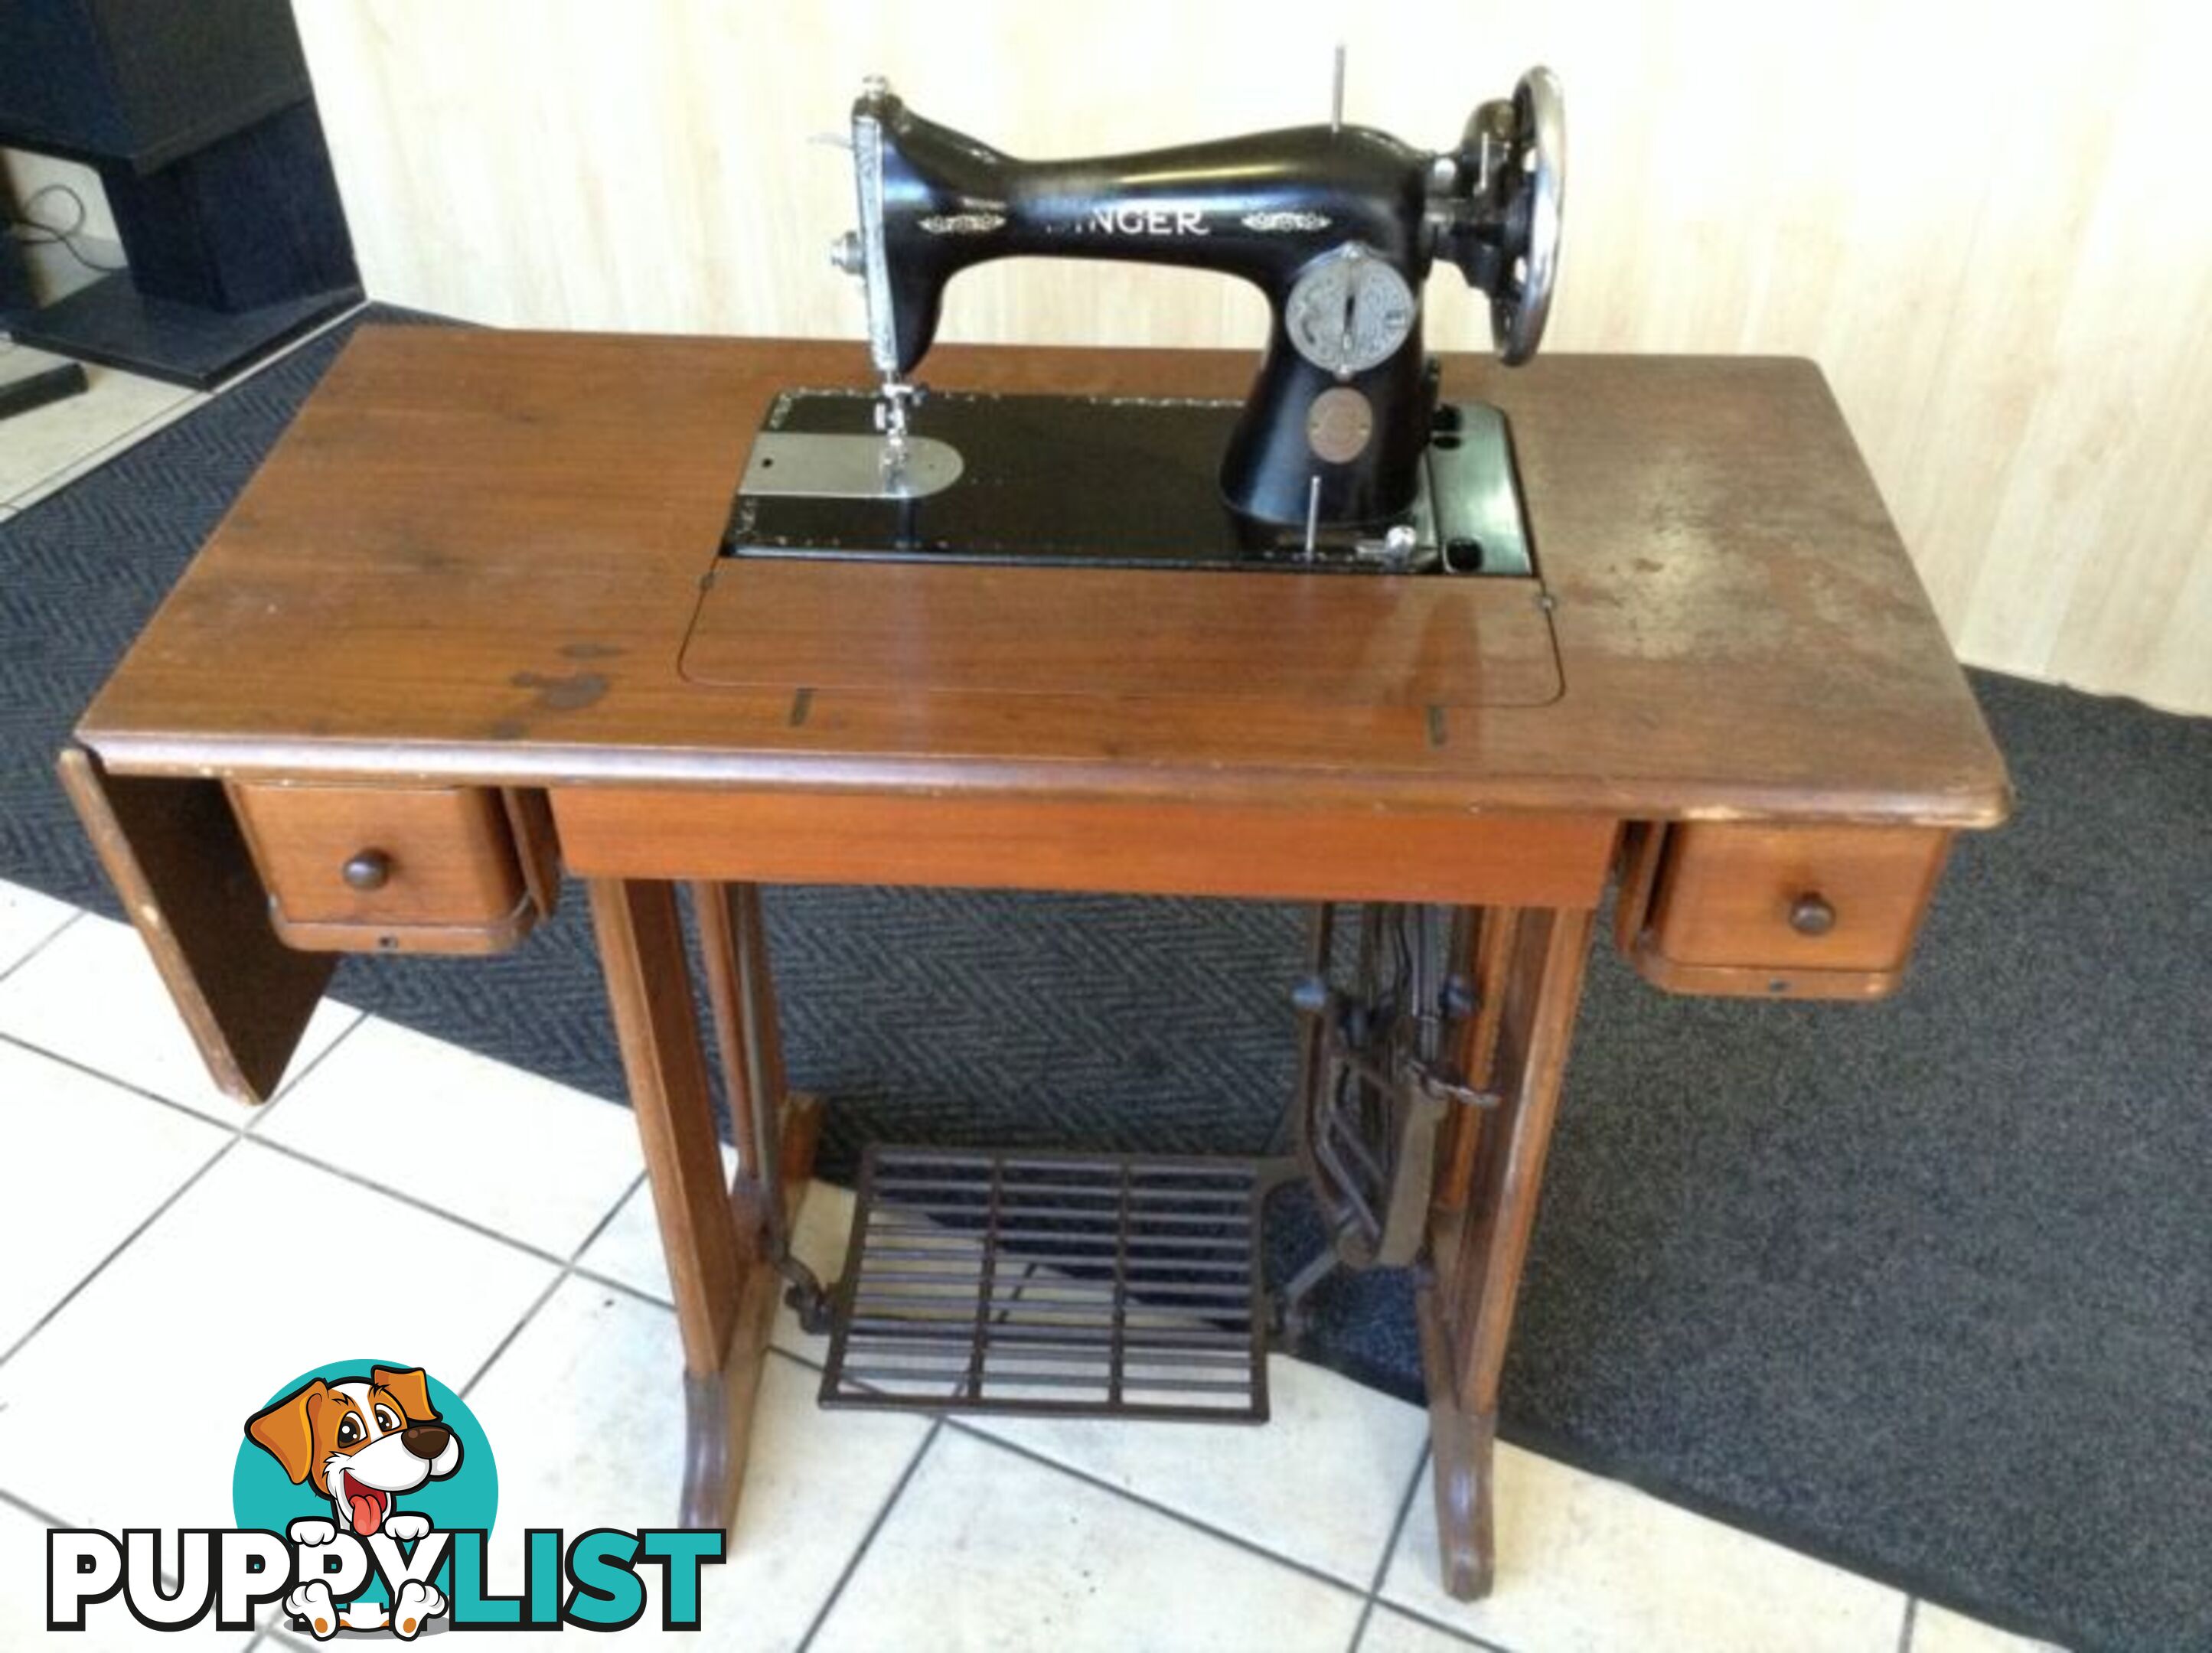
x: 1350, y: 311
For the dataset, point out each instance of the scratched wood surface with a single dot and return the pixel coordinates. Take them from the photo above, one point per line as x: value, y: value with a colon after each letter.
x: 476, y: 556
x: 2010, y: 303
x: 1366, y: 641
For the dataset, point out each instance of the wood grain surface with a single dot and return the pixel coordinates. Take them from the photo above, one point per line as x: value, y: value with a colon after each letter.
x: 1365, y: 640
x: 475, y: 556
x: 1280, y: 852
x: 448, y: 854
x: 1726, y: 893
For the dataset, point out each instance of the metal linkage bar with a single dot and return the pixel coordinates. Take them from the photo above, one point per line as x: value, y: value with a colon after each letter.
x: 1078, y: 1284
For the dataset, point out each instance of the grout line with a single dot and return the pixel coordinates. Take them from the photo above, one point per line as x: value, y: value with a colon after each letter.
x: 1390, y: 1543
x: 513, y: 1333
x: 1227, y: 1537
x: 169, y: 1581
x: 255, y: 1115
x: 1029, y: 1274
x: 1440, y: 1626
x: 120, y: 1083
x: 1410, y: 1609
x: 592, y: 1276
x: 607, y: 1220
x: 44, y: 1517
x: 1398, y: 1528
x: 414, y: 1200
x: 623, y: 1286
x: 100, y: 1267
x: 44, y: 941
x: 254, y: 1111
x: 808, y: 1362
x: 1427, y: 1622
x: 568, y: 1272
x: 638, y: 1293
x: 799, y: 1361
x: 1905, y: 1629
x: 860, y: 1551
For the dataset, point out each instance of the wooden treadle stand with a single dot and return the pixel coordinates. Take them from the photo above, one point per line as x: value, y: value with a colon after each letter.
x: 437, y: 655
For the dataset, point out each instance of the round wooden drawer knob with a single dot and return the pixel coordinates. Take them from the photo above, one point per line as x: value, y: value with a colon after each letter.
x: 1811, y: 913
x: 370, y: 870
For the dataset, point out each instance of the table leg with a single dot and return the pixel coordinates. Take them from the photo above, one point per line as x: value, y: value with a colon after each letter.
x: 720, y: 1269
x: 1480, y: 1241
x: 741, y: 991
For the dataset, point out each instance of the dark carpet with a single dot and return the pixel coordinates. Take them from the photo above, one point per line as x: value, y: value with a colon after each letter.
x: 1925, y: 1287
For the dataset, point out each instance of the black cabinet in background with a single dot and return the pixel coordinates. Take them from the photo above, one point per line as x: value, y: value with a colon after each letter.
x: 199, y: 118
x: 145, y: 81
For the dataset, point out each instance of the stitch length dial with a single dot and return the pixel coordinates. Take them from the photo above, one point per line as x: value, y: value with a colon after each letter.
x: 1350, y: 311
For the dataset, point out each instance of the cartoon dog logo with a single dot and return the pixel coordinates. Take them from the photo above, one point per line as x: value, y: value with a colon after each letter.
x: 359, y: 1441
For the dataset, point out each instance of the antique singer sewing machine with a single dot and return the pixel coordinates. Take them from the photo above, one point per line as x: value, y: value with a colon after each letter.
x: 1459, y: 647
x: 1339, y: 457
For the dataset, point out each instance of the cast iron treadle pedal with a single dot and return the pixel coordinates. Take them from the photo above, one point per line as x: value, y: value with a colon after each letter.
x: 1082, y: 1285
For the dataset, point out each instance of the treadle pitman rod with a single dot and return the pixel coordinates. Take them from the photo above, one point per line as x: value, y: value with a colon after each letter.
x: 1379, y: 1075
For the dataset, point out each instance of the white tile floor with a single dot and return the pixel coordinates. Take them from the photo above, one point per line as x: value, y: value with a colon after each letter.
x: 46, y: 449
x: 141, y: 1207
x: 51, y: 446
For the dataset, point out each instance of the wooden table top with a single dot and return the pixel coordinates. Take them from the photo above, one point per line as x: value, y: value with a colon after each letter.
x: 478, y: 556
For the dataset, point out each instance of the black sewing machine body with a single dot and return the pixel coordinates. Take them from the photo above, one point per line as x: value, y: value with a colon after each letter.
x: 1339, y: 457
x: 1262, y: 207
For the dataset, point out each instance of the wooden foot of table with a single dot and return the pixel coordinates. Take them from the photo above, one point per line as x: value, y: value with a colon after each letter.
x: 1529, y: 987
x: 718, y: 1406
x: 1461, y: 1452
x: 720, y: 1236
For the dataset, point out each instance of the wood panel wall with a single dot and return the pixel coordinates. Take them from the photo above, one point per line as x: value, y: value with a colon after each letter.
x: 1989, y: 223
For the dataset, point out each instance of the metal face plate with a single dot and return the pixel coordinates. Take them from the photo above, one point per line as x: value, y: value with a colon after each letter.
x: 875, y: 268
x: 1350, y: 311
x: 805, y: 464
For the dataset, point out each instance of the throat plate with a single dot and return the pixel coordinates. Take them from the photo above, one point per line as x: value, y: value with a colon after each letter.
x: 807, y: 465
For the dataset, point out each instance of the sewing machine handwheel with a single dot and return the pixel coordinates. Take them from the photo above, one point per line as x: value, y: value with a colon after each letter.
x: 1523, y: 299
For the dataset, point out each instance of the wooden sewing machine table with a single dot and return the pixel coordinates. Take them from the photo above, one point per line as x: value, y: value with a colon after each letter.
x: 467, y: 628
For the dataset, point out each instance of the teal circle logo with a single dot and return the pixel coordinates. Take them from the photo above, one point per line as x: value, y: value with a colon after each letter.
x: 357, y: 1441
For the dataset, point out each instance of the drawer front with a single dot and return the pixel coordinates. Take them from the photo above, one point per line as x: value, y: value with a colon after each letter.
x: 430, y: 869
x: 1802, y: 911
x: 1322, y: 853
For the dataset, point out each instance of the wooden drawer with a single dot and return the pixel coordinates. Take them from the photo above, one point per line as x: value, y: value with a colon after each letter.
x: 1804, y: 912
x: 395, y: 869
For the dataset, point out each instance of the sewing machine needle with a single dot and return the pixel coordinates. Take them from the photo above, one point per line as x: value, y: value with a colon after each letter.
x: 1336, y: 96
x: 1313, y: 516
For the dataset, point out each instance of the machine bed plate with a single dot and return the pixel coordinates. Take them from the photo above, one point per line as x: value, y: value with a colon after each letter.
x: 1064, y: 481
